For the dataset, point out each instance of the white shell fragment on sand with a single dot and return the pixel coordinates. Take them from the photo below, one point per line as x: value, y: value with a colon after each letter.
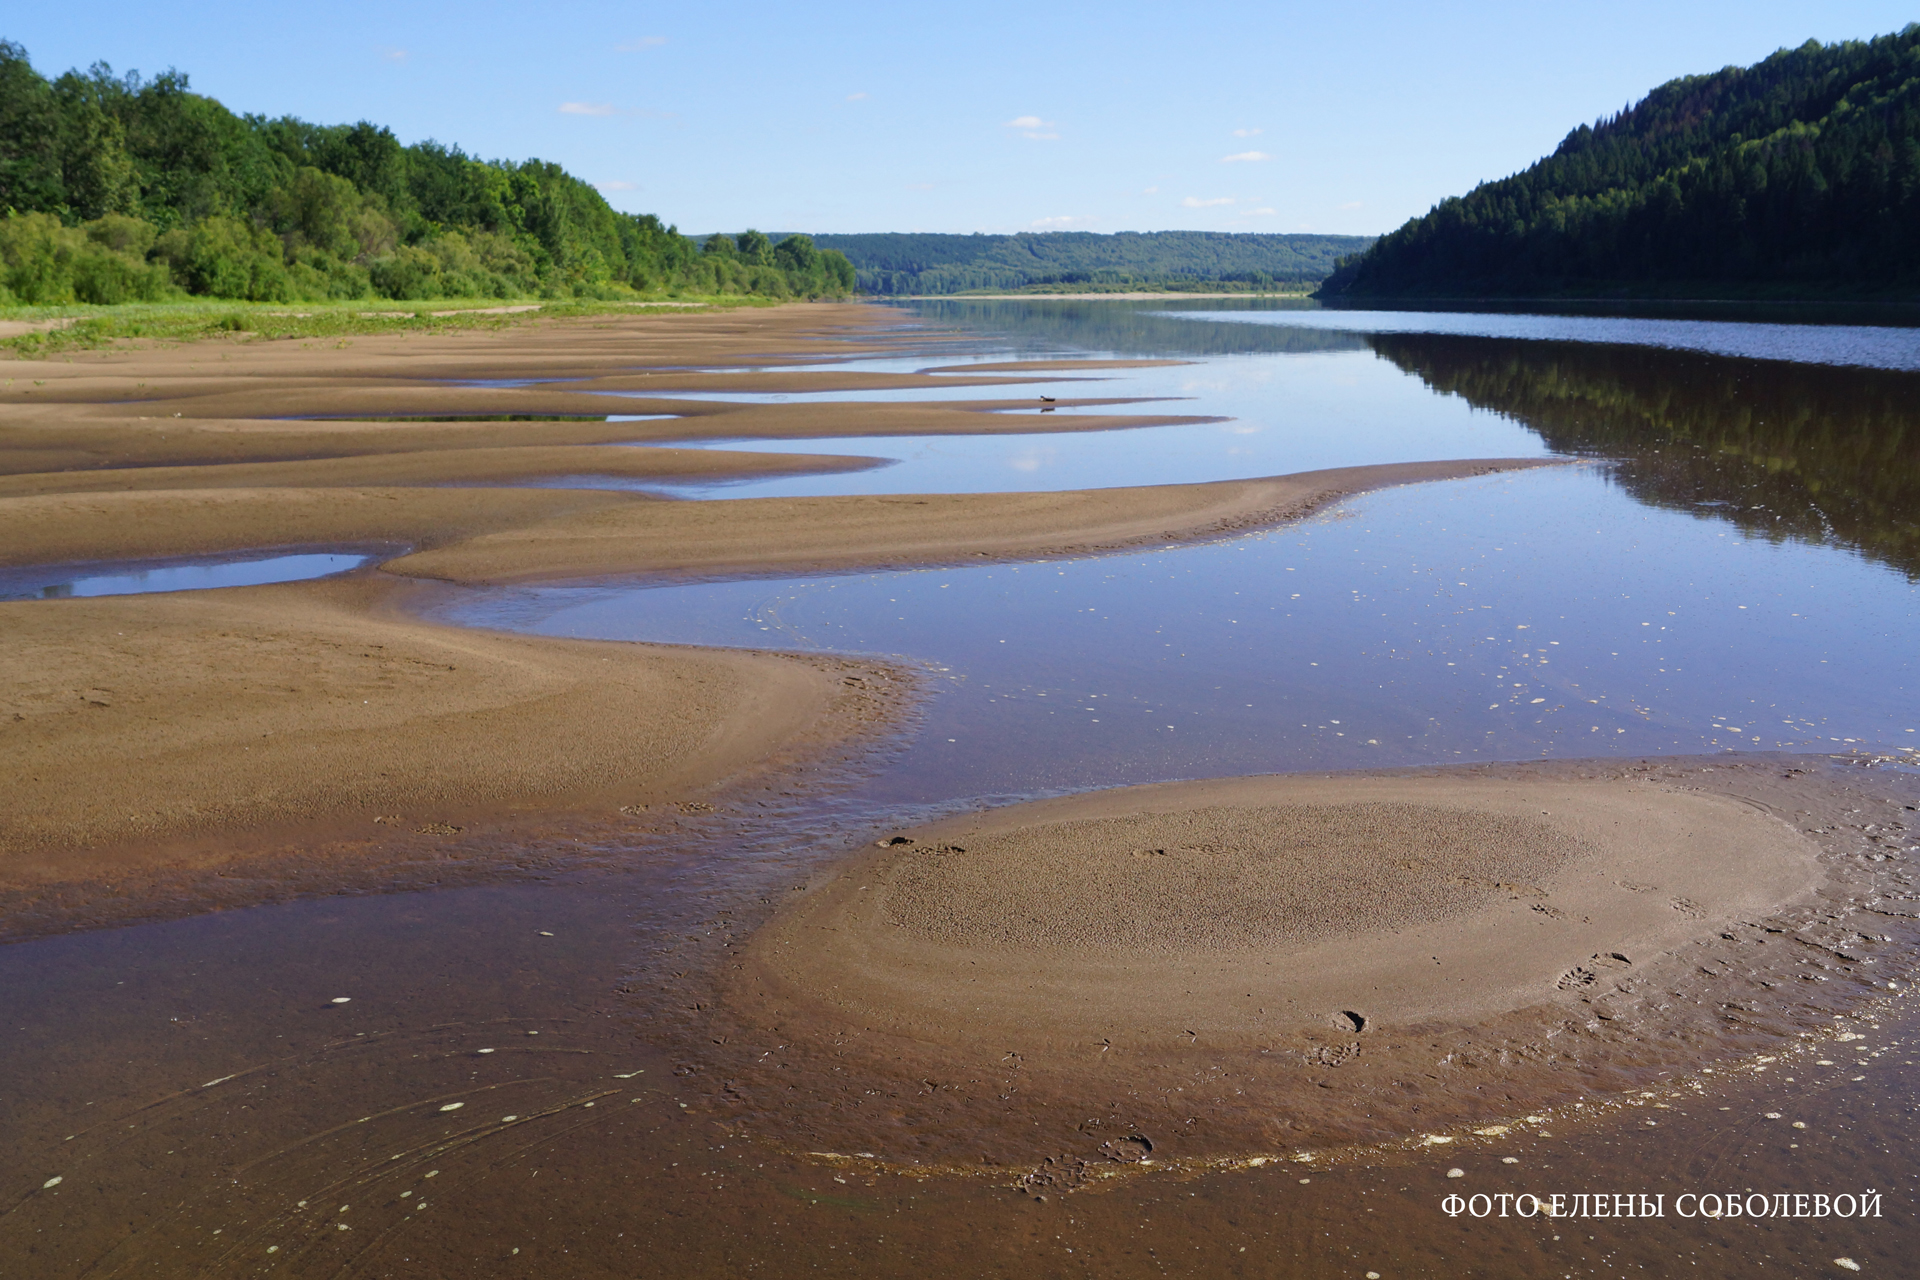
x: 1848, y: 1263
x: 51, y: 1182
x: 453, y: 1106
x: 1456, y: 1173
x: 341, y: 1000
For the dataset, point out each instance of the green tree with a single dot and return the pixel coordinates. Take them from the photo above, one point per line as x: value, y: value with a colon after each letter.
x: 174, y: 187
x: 754, y: 248
x: 29, y: 137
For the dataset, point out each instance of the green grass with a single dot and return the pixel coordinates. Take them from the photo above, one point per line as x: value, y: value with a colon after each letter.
x: 93, y: 327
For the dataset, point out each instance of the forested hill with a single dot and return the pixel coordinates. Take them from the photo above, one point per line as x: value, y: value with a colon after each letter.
x: 118, y: 188
x: 902, y: 263
x: 1799, y: 175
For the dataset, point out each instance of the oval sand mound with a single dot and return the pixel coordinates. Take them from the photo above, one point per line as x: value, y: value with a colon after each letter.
x: 1221, y: 879
x: 1226, y: 911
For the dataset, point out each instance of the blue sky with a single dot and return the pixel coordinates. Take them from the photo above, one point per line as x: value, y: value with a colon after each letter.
x: 978, y: 117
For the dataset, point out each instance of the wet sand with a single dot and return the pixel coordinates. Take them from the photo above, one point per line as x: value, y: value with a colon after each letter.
x: 464, y: 466
x: 1149, y: 918
x: 141, y: 728
x: 1252, y: 967
x: 759, y: 534
x: 146, y: 729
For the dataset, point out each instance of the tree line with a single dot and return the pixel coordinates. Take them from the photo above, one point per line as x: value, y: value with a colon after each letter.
x: 1797, y: 176
x: 899, y: 263
x: 118, y: 188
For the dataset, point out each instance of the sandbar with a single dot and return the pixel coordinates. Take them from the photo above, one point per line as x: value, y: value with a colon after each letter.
x: 136, y: 723
x: 878, y: 531
x: 1233, y: 909
x: 1261, y: 967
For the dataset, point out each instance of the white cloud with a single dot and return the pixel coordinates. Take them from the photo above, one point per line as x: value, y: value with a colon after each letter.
x: 1262, y: 213
x: 1151, y: 191
x: 1245, y: 157
x: 1034, y: 127
x: 1195, y: 202
x: 636, y: 46
x: 1351, y: 204
x: 1060, y: 223
x: 618, y: 186
x: 392, y: 54
x: 1248, y: 133
x: 586, y: 108
x: 856, y: 97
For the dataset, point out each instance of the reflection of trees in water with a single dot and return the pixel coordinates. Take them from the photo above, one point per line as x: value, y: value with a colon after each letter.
x: 1133, y: 328
x: 1807, y: 452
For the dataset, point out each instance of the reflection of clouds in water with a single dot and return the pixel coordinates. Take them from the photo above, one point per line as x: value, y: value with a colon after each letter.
x: 1033, y: 459
x: 1241, y: 429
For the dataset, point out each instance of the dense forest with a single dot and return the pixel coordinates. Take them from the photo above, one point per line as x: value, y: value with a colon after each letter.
x: 1783, y: 451
x: 119, y: 188
x: 901, y: 263
x: 1798, y: 176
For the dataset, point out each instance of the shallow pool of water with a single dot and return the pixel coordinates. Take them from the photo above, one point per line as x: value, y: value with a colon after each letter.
x: 200, y: 573
x: 1543, y: 613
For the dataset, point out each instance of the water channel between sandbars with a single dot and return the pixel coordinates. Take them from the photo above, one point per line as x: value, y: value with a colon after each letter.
x: 1677, y: 627
x: 1540, y: 614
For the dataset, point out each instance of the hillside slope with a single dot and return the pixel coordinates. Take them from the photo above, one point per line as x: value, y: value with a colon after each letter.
x: 1799, y: 175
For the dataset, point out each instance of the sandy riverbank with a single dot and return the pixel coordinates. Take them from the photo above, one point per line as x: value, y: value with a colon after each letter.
x: 1237, y: 910
x: 1256, y: 966
x: 137, y: 723
x: 145, y: 729
x: 172, y: 732
x: 798, y: 534
x: 142, y: 728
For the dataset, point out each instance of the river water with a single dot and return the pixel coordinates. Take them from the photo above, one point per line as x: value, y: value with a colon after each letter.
x: 500, y: 1079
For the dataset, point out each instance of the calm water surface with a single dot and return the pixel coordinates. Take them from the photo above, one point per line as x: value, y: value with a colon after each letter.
x: 1545, y: 613
x: 1729, y: 564
x: 138, y: 577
